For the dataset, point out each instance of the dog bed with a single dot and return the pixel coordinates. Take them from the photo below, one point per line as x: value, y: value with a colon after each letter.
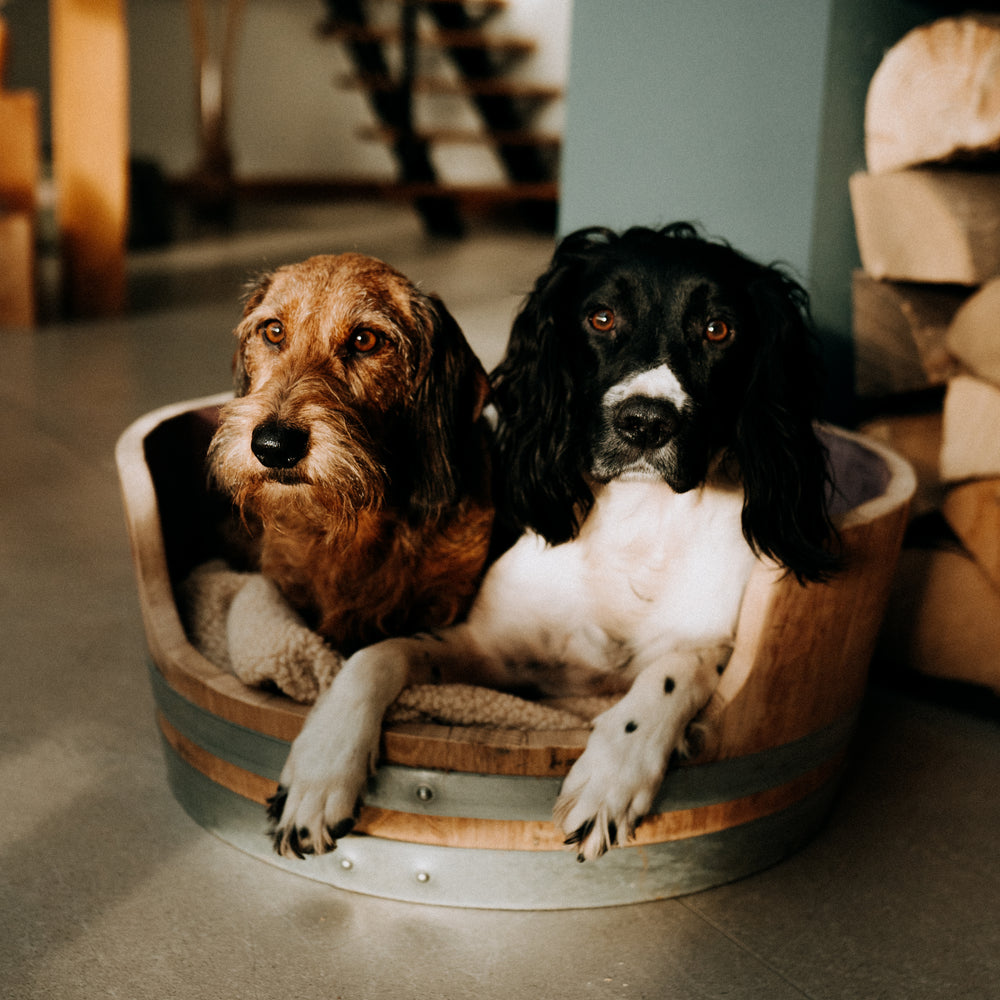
x: 459, y: 810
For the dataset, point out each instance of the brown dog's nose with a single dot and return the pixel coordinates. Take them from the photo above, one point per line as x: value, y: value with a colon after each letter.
x: 278, y: 446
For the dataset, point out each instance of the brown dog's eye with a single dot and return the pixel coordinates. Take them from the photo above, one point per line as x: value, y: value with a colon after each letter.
x: 717, y: 331
x: 364, y: 341
x: 602, y: 320
x: 273, y: 331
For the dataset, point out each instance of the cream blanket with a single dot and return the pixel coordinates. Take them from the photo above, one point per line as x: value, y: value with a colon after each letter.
x: 242, y: 623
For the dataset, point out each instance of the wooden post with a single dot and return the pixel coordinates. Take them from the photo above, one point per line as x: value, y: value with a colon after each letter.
x: 89, y: 52
x: 18, y: 188
x: 213, y: 179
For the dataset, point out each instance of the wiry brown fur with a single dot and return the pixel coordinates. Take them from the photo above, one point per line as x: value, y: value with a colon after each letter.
x: 382, y: 526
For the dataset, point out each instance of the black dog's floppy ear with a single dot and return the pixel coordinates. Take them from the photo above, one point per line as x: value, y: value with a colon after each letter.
x: 444, y: 429
x: 253, y: 296
x: 783, y: 464
x: 541, y: 452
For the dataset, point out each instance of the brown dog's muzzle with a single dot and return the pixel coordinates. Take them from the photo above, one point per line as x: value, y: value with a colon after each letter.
x: 278, y: 446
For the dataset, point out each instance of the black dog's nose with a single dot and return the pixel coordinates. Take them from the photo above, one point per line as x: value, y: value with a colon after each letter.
x: 644, y: 422
x: 279, y: 447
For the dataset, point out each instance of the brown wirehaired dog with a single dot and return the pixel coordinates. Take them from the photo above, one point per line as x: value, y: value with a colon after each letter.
x: 357, y: 444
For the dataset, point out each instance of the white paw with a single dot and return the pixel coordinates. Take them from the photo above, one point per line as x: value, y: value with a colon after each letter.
x: 615, y: 782
x: 320, y: 789
x: 607, y: 793
x: 319, y: 793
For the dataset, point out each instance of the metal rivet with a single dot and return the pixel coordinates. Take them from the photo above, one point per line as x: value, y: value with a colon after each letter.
x: 423, y: 877
x: 425, y: 793
x: 347, y: 864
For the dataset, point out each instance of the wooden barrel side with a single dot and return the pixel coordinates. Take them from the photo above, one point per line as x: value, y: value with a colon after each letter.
x: 504, y: 879
x: 504, y: 812
x: 160, y: 461
x: 802, y: 652
x: 453, y: 812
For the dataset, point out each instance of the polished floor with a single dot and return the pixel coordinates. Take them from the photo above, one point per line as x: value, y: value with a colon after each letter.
x: 108, y: 889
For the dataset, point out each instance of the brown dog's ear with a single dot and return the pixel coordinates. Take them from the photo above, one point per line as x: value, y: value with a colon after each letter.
x: 252, y: 297
x: 444, y: 426
x: 255, y: 290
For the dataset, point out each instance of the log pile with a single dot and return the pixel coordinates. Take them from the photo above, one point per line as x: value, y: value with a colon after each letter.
x: 927, y: 328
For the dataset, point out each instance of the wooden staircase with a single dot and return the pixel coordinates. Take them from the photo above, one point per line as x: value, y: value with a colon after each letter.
x: 387, y: 61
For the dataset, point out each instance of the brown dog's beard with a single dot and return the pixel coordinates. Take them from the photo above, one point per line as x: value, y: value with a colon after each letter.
x: 356, y: 568
x: 337, y: 478
x: 385, y: 577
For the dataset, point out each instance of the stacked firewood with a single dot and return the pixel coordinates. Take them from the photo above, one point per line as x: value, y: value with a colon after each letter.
x: 927, y: 329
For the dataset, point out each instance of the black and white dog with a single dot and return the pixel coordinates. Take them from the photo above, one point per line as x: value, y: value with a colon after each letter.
x: 655, y: 439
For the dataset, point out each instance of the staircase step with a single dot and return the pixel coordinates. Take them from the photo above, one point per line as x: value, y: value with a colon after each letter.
x: 547, y: 191
x: 470, y: 194
x: 457, y: 38
x: 482, y: 4
x: 466, y: 137
x: 440, y: 86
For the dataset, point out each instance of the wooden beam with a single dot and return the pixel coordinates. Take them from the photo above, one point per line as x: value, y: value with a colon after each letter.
x: 89, y: 53
x: 19, y: 170
x: 17, y: 269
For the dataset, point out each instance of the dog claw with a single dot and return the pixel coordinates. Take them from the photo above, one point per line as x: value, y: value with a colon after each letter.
x: 580, y: 834
x: 340, y: 829
x: 595, y: 839
x: 276, y: 804
x: 585, y: 833
x: 297, y: 842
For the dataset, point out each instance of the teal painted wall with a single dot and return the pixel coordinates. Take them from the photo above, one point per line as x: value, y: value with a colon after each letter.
x: 745, y: 117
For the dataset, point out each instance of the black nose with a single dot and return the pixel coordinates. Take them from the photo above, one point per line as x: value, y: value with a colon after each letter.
x: 279, y: 447
x: 644, y: 422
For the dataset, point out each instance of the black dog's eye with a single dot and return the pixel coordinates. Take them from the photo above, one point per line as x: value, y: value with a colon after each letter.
x: 602, y: 320
x: 717, y: 331
x: 273, y: 331
x: 364, y: 341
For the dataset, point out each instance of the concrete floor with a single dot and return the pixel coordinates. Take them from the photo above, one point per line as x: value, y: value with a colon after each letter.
x: 108, y: 889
